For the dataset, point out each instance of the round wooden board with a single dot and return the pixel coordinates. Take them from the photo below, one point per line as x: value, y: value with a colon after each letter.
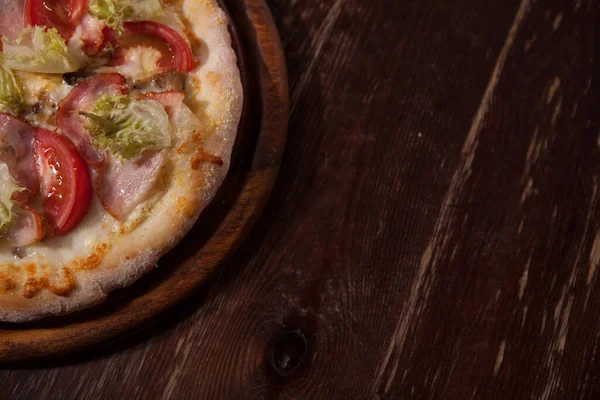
x: 222, y: 226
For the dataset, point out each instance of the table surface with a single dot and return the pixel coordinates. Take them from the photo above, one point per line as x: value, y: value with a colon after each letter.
x: 434, y: 232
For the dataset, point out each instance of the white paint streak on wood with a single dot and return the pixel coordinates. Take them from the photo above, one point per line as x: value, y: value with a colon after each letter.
x: 564, y: 325
x: 318, y: 43
x: 557, y: 348
x: 533, y: 151
x: 562, y: 312
x: 529, y: 42
x: 559, y: 306
x: 594, y: 259
x: 184, y: 345
x: 393, y: 372
x: 548, y: 389
x: 594, y: 252
x: 557, y: 21
x: 590, y: 371
x: 524, y: 317
x: 543, y: 325
x: 533, y: 154
x: 425, y: 274
x: 557, y: 111
x: 142, y: 362
x: 435, y: 378
x: 499, y: 357
x: 574, y: 110
x: 521, y: 226
x: 454, y: 252
x: 109, y: 368
x: 524, y: 277
x: 527, y: 191
x: 170, y: 387
x: 554, y: 86
x: 587, y: 86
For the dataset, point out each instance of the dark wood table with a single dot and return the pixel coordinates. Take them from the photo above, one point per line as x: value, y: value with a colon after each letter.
x: 434, y: 232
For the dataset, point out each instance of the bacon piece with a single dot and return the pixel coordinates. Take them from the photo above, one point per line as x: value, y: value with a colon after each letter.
x: 25, y: 228
x: 82, y: 98
x: 16, y: 150
x: 12, y: 17
x: 121, y: 186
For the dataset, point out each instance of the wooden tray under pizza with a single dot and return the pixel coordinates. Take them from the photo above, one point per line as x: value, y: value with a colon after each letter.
x: 221, y: 227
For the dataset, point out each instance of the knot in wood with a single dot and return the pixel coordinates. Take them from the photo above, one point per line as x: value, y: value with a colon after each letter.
x: 289, y: 352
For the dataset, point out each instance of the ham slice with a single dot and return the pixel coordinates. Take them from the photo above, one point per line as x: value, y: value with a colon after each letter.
x: 82, y: 98
x: 171, y: 101
x: 16, y: 150
x: 25, y: 228
x: 121, y: 186
x: 12, y: 17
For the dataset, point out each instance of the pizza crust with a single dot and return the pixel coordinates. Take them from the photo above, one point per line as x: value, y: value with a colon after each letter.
x: 214, y: 93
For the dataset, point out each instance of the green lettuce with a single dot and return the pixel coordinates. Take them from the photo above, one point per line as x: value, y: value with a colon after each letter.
x: 8, y: 187
x: 40, y: 50
x: 11, y: 94
x: 127, y: 127
x: 116, y: 12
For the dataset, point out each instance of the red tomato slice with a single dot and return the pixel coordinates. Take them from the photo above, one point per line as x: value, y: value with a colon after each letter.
x: 64, y: 15
x: 176, y: 53
x: 66, y: 185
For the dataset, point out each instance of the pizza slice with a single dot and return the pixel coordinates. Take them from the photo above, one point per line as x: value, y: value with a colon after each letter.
x: 117, y: 122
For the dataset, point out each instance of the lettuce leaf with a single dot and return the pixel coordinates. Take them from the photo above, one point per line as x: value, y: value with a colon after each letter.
x: 40, y: 50
x: 11, y: 94
x: 8, y: 187
x: 116, y: 12
x: 128, y: 127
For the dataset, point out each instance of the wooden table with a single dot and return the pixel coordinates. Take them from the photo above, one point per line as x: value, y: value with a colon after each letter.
x: 434, y: 232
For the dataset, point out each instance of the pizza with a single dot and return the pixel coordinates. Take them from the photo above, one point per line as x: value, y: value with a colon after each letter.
x: 117, y: 122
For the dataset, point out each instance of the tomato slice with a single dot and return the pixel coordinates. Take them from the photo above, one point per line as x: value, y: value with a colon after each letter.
x: 175, y: 51
x: 64, y: 15
x: 66, y: 185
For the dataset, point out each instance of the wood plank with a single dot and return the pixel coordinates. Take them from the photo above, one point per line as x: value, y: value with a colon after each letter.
x: 513, y: 260
x: 433, y: 232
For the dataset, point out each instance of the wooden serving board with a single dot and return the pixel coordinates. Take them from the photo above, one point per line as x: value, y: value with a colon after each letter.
x: 222, y: 226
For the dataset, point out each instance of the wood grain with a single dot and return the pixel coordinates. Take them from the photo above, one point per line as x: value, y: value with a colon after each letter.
x: 433, y: 232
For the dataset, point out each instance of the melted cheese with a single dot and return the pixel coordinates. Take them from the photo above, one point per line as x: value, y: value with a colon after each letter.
x: 38, y: 85
x: 140, y: 63
x: 42, y: 93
